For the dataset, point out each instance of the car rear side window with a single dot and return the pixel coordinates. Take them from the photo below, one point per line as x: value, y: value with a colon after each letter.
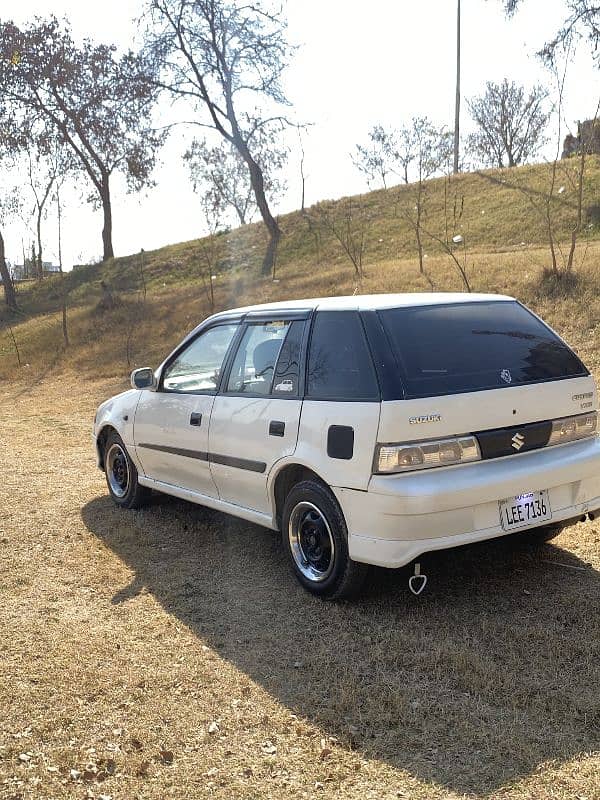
x: 339, y: 362
x: 468, y: 347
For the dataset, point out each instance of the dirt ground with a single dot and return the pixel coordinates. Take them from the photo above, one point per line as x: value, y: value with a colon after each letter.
x: 168, y: 653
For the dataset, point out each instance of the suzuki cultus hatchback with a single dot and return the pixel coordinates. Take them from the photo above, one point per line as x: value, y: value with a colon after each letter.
x: 368, y: 430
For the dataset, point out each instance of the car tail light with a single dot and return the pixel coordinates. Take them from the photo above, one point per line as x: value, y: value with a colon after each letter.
x: 569, y: 429
x: 423, y: 455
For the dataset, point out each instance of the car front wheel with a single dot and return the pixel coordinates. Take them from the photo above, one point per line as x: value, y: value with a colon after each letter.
x: 122, y: 476
x: 315, y: 538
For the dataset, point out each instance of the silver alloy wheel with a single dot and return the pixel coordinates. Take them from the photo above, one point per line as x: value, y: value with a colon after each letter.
x: 117, y: 470
x: 311, y: 542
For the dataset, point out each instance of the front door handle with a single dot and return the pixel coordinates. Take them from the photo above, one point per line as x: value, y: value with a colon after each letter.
x: 196, y: 418
x: 276, y: 428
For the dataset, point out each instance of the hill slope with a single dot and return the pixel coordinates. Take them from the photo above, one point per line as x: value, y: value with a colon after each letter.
x: 500, y: 214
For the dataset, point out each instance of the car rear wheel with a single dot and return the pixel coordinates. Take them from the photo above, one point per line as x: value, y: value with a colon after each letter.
x: 315, y: 538
x: 122, y: 476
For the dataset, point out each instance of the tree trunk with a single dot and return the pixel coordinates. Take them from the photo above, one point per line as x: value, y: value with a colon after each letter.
x: 63, y: 294
x: 39, y: 262
x: 107, y: 245
x: 577, y: 226
x: 241, y: 214
x: 419, y: 245
x: 258, y: 187
x: 7, y: 284
x: 418, y: 223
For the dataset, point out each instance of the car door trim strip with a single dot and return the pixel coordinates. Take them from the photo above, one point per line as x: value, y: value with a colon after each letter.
x: 215, y: 458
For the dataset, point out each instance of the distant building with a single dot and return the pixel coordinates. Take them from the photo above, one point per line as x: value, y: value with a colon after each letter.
x: 28, y: 270
x: 17, y: 271
x: 588, y: 133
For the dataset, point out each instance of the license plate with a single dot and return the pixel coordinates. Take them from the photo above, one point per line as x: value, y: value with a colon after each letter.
x: 524, y: 509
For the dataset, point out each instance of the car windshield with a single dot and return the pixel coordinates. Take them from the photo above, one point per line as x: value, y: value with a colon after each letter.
x: 467, y: 347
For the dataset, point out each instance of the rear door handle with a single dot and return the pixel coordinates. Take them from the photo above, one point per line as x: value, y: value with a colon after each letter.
x: 276, y: 428
x: 196, y: 418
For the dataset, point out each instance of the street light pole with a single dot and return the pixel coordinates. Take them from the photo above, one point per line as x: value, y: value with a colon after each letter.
x: 457, y: 104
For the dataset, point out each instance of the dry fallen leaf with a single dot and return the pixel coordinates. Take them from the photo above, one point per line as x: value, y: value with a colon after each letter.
x: 166, y: 756
x: 143, y: 769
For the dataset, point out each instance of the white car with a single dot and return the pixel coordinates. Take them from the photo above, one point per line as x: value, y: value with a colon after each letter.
x: 369, y: 430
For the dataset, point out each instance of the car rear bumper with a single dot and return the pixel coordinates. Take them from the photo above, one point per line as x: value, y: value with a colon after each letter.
x: 402, y: 516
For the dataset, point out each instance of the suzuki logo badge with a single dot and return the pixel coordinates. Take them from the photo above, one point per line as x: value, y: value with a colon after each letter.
x: 518, y: 440
x: 506, y: 376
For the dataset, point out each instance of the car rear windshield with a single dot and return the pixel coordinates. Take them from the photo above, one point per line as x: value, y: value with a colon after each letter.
x: 468, y: 347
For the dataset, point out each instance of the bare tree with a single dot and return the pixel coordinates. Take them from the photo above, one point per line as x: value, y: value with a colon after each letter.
x: 582, y: 22
x: 347, y: 221
x: 510, y: 123
x: 222, y: 57
x: 433, y: 148
x: 388, y: 153
x: 554, y: 201
x: 210, y: 250
x: 451, y: 241
x: 377, y: 159
x: 47, y: 165
x: 221, y: 172
x: 586, y: 147
x: 98, y: 104
x: 406, y: 151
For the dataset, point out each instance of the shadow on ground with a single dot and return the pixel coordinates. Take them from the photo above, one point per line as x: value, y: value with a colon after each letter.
x: 491, y: 672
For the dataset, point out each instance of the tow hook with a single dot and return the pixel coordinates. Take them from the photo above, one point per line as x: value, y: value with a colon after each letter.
x: 418, y: 581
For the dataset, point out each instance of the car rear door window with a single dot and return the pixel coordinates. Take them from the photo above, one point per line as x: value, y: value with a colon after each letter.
x: 254, y: 363
x: 467, y: 347
x: 197, y: 367
x: 339, y: 362
x: 286, y: 382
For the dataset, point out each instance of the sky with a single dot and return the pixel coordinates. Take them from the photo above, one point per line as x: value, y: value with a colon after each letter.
x: 357, y: 64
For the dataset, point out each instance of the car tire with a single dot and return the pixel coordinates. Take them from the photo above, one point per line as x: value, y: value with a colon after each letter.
x: 122, y: 475
x: 315, y: 538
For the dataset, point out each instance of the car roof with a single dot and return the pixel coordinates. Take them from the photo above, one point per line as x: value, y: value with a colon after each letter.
x: 369, y: 302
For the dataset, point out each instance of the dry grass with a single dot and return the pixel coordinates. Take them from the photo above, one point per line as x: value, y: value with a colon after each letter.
x: 167, y: 653
x: 125, y: 635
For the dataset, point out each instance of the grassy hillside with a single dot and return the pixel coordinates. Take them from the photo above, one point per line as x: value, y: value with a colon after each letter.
x: 499, y: 214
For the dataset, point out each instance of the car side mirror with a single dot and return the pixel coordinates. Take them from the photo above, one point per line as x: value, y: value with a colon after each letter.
x: 143, y: 379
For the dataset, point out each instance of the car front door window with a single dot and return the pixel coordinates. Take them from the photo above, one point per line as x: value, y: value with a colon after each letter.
x: 198, y: 367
